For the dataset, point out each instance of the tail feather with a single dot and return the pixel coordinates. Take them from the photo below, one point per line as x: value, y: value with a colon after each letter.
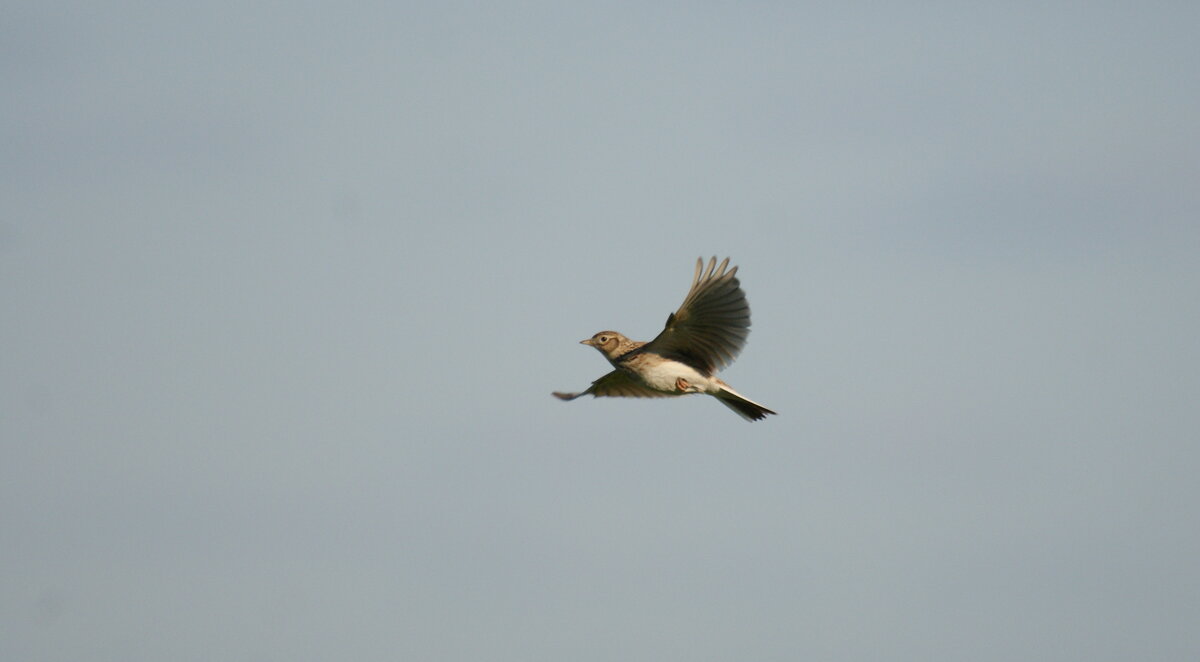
x: 743, y: 406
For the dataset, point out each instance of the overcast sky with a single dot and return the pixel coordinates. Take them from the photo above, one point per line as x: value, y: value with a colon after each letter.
x: 285, y: 290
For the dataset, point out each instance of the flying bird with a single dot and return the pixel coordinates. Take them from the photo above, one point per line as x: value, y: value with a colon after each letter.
x: 702, y: 337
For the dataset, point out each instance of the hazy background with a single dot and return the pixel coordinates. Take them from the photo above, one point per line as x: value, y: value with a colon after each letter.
x: 285, y: 289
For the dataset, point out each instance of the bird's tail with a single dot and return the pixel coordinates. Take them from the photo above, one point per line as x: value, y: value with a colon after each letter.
x: 745, y: 407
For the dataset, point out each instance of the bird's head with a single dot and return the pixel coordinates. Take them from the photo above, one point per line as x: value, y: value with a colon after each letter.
x: 609, y: 343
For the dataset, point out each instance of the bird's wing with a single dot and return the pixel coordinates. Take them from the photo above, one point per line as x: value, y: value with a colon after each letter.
x: 710, y: 327
x: 616, y: 384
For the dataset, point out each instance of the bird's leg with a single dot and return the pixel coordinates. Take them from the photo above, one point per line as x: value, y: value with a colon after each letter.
x: 681, y: 384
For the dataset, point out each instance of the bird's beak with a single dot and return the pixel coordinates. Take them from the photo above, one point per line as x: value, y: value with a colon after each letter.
x: 586, y: 342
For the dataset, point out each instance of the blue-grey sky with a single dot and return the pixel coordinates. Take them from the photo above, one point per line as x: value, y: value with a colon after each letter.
x: 285, y: 290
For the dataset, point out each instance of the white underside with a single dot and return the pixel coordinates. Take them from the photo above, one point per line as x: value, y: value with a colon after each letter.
x: 665, y: 375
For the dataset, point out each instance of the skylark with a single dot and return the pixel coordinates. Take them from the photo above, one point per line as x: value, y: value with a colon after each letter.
x: 702, y: 337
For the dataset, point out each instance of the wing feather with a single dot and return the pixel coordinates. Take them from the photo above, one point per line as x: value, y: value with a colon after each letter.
x: 710, y: 327
x: 616, y: 384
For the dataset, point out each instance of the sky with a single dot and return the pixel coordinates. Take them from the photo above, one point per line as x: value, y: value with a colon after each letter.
x: 285, y: 290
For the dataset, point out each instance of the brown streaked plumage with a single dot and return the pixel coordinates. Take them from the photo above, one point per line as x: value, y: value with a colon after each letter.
x: 702, y: 337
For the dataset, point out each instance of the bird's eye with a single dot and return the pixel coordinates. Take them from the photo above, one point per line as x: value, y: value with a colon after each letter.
x: 603, y: 338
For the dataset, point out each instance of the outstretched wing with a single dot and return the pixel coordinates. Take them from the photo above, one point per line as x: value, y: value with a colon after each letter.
x: 710, y: 327
x: 616, y: 384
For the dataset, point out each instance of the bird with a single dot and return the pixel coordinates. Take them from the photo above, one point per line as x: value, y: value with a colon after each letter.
x: 703, y: 336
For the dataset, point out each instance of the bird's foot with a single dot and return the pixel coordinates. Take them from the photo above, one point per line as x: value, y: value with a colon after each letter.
x: 682, y: 384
